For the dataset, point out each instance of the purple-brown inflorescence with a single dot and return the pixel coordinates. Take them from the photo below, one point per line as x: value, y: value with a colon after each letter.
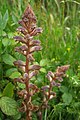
x: 55, y: 79
x: 28, y: 30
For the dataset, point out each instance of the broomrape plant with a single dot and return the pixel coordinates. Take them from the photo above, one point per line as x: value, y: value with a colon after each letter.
x: 28, y: 30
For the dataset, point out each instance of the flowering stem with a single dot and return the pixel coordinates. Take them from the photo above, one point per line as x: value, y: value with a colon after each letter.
x: 28, y: 100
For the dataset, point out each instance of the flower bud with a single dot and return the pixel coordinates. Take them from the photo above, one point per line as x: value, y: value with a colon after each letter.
x: 34, y: 67
x: 20, y: 51
x: 51, y: 74
x: 53, y: 83
x: 35, y: 43
x: 21, y: 22
x: 29, y: 14
x: 59, y: 74
x: 20, y: 39
x: 30, y: 57
x: 34, y: 73
x: 22, y: 30
x: 25, y: 19
x: 35, y: 48
x: 22, y: 93
x: 36, y: 31
x: 19, y: 80
x: 60, y: 79
x: 63, y: 68
x: 52, y: 95
x: 44, y: 88
x: 28, y: 37
x: 23, y: 47
x: 33, y: 26
x: 34, y: 88
x: 19, y: 63
x: 25, y: 76
x: 49, y: 77
x: 58, y: 84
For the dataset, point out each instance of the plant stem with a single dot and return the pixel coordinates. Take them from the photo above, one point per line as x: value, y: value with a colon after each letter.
x: 28, y: 100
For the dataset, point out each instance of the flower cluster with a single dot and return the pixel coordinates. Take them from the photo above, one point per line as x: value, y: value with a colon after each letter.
x: 27, y: 31
x: 55, y: 79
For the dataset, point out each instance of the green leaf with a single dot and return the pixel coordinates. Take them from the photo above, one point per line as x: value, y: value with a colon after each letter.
x: 2, y: 33
x: 1, y: 50
x: 67, y: 98
x: 15, y: 75
x: 8, y: 106
x: 6, y: 42
x: 0, y: 17
x: 40, y: 80
x: 3, y: 83
x: 5, y: 19
x: 0, y: 21
x: 43, y: 62
x: 10, y: 35
x: 10, y: 71
x: 21, y: 85
x: 43, y: 70
x: 17, y: 117
x: 8, y: 59
x: 64, y: 89
x: 14, y: 19
x: 0, y: 94
x: 8, y: 90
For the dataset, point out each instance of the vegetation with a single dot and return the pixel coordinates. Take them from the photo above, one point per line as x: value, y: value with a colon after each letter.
x: 60, y: 45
